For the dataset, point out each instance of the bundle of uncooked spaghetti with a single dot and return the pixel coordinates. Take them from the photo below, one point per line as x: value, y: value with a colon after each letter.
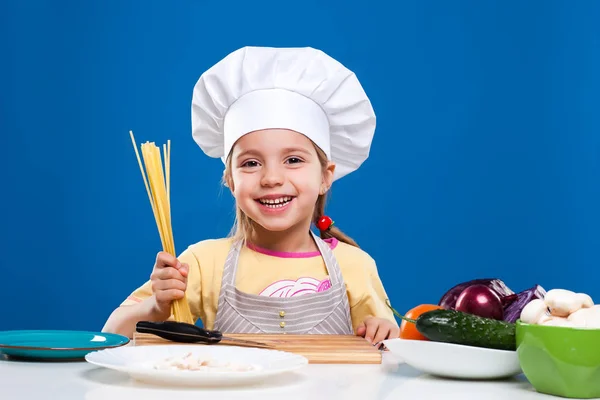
x: 158, y: 186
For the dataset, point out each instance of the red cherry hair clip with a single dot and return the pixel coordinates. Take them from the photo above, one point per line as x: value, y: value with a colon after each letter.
x: 324, y: 223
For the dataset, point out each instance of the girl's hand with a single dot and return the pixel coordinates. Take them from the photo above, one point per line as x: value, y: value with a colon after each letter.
x: 169, y: 282
x: 375, y: 330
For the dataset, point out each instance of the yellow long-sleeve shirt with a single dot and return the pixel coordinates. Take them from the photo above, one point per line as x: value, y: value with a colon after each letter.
x: 277, y: 274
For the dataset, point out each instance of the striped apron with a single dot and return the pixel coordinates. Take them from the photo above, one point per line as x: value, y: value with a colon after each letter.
x: 326, y: 312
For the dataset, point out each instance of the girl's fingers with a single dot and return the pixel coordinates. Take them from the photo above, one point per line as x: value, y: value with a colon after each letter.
x: 372, y: 327
x: 167, y: 273
x: 361, y: 329
x: 164, y: 259
x: 184, y: 270
x: 167, y: 296
x: 168, y: 284
x: 382, y: 333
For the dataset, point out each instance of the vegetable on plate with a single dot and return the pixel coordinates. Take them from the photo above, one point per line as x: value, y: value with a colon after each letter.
x: 449, y: 299
x: 480, y: 300
x: 457, y: 327
x: 490, y: 298
x: 408, y: 330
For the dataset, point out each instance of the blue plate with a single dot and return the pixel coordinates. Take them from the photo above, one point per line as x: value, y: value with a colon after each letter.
x: 56, y: 344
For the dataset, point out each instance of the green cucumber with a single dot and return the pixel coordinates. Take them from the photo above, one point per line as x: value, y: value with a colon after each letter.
x: 458, y: 327
x: 451, y: 326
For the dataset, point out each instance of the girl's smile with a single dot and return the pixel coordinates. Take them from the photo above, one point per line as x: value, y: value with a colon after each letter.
x: 275, y: 203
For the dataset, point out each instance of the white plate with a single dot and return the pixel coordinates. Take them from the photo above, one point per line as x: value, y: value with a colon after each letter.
x: 139, y: 361
x: 455, y: 361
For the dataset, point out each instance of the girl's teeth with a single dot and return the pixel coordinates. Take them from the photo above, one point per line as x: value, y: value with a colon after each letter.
x: 276, y: 203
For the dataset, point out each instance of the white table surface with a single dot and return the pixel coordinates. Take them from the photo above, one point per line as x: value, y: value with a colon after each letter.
x: 390, y: 380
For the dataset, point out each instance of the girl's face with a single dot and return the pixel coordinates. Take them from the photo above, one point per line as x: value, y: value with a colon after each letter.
x: 277, y: 177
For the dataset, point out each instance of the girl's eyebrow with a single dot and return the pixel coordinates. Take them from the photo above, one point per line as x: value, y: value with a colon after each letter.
x: 296, y: 150
x: 286, y: 150
x: 249, y: 152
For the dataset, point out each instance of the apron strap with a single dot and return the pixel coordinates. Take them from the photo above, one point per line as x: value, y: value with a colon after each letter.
x: 333, y: 268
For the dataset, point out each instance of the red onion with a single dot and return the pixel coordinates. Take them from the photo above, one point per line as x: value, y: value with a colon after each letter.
x: 513, y: 311
x: 449, y: 298
x: 482, y: 301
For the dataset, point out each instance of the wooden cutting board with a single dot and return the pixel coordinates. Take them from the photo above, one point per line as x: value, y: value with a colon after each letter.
x: 318, y: 349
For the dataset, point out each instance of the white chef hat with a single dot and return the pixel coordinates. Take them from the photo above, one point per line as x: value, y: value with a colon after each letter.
x: 300, y: 89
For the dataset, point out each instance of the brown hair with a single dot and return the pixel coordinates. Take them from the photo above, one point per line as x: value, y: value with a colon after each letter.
x: 244, y: 226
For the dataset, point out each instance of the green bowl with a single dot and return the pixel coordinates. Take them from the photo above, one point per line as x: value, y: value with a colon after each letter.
x: 560, y: 361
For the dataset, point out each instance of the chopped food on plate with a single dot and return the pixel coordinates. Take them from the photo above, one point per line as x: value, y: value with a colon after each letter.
x: 189, y: 362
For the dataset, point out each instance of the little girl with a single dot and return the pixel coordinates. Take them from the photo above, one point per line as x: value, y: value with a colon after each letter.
x: 286, y: 123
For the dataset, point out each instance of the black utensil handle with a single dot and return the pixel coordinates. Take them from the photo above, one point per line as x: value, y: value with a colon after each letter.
x: 165, y: 331
x: 179, y: 331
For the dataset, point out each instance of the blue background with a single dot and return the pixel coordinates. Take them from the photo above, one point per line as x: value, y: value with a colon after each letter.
x: 484, y: 163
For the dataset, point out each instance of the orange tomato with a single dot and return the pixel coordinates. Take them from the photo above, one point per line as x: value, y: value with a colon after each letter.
x: 408, y: 330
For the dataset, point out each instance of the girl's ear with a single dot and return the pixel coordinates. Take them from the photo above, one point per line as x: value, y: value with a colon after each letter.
x: 327, y: 177
x: 228, y: 181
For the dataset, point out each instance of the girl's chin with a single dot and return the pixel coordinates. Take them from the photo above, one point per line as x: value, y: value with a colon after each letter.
x: 275, y: 226
x: 276, y: 223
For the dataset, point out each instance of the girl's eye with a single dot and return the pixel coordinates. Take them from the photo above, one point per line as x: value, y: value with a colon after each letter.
x: 250, y: 164
x: 294, y: 160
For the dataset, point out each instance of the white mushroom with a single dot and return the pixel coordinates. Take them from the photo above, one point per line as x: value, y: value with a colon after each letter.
x: 586, y: 317
x: 545, y: 318
x: 580, y: 317
x: 562, y: 302
x: 593, y: 320
x: 534, y: 311
x: 586, y: 300
x: 557, y: 321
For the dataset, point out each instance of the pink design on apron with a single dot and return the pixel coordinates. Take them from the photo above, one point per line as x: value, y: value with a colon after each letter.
x: 291, y: 288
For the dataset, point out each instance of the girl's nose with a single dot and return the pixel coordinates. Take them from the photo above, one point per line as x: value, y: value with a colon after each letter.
x: 271, y: 177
